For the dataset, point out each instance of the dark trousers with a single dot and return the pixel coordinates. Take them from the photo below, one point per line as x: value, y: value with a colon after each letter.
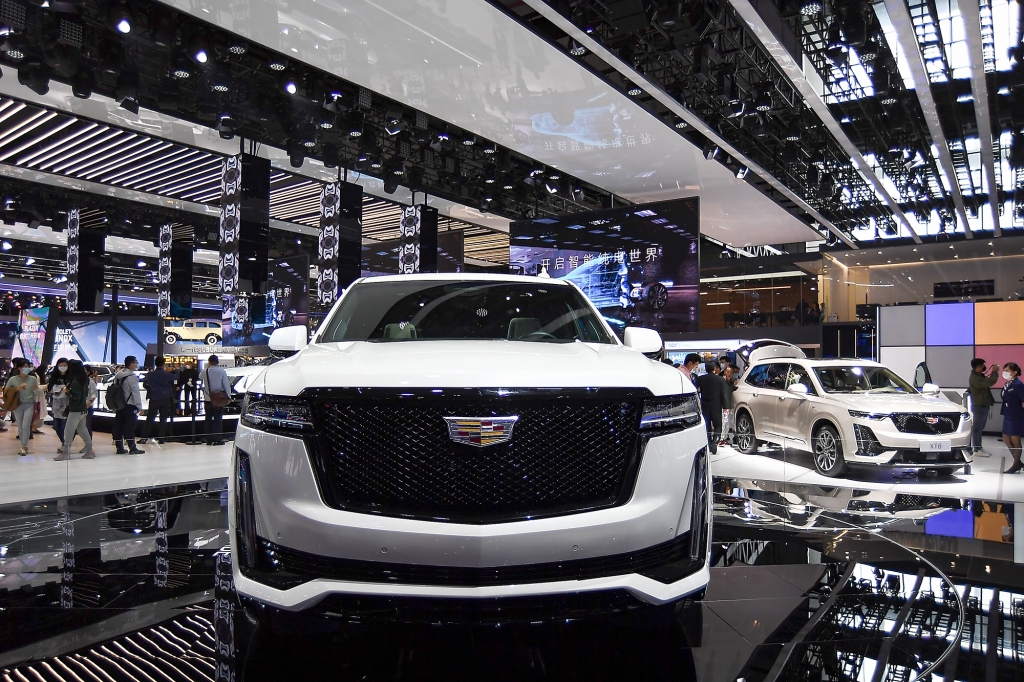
x: 124, y: 426
x: 191, y: 404
x: 164, y: 408
x: 58, y: 426
x: 713, y: 423
x: 214, y: 423
x: 88, y: 419
x: 980, y: 414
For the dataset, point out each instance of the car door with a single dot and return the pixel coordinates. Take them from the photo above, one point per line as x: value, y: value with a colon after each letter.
x: 766, y: 384
x: 794, y: 411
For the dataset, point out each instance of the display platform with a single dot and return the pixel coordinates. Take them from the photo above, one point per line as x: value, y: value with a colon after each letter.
x: 807, y: 583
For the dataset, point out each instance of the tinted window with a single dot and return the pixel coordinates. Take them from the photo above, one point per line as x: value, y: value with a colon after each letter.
x: 861, y: 379
x: 417, y: 310
x: 777, y: 374
x: 201, y: 324
x: 758, y: 376
x: 799, y: 375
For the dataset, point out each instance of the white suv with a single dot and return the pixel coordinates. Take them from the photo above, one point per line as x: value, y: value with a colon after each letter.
x: 468, y: 437
x: 848, y: 412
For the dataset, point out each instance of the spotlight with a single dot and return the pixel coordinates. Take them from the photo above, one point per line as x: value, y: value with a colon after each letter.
x: 181, y: 70
x: 120, y: 19
x: 551, y: 186
x: 6, y: 245
x: 468, y: 140
x: 391, y: 184
x: 35, y: 78
x: 309, y: 144
x: 792, y: 133
x: 508, y: 184
x: 81, y: 84
x: 141, y: 264
x: 741, y: 172
x: 711, y: 150
x: 355, y: 125
x: 237, y: 46
x: 130, y: 104
x: 575, y: 49
x: 200, y: 56
x: 811, y: 8
x: 30, y: 260
x: 869, y: 52
x: 680, y: 124
x: 764, y: 102
x: 290, y: 87
x: 633, y: 90
x: 395, y: 126
x: 277, y: 64
x: 490, y: 148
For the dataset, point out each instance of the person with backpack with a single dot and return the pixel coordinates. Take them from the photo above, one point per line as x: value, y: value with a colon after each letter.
x: 217, y: 394
x: 20, y: 398
x: 124, y: 399
x: 78, y: 410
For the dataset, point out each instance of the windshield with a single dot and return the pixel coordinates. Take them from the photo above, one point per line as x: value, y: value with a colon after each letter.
x: 857, y: 379
x: 422, y: 310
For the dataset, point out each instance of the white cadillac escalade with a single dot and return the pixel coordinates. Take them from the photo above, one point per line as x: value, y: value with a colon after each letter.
x: 468, y: 440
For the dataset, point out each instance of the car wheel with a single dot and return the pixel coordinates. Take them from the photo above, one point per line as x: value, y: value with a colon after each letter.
x: 745, y: 439
x: 828, y: 452
x: 248, y: 328
x: 212, y: 339
x: 946, y: 471
x: 657, y: 296
x: 171, y: 339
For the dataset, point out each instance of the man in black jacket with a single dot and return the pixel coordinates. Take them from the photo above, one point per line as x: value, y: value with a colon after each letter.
x: 159, y: 386
x: 712, y: 389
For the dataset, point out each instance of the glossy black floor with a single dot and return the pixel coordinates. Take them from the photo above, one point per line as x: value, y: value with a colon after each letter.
x: 808, y: 583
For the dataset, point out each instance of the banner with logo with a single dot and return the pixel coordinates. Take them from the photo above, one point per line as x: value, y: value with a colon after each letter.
x: 73, y: 259
x: 230, y: 223
x: 327, y: 253
x: 409, y: 240
x: 163, y: 274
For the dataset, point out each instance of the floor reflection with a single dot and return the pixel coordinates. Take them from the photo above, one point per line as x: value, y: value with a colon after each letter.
x: 809, y: 582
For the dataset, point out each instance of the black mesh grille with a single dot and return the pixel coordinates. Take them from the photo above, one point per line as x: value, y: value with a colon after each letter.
x: 927, y: 424
x: 393, y: 456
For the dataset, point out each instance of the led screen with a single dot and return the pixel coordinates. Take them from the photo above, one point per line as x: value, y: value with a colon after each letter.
x: 32, y: 333
x: 250, y: 320
x: 639, y: 265
x: 949, y: 324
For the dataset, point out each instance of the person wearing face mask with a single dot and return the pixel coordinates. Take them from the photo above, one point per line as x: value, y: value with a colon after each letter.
x: 57, y: 389
x: 980, y: 384
x: 20, y: 395
x: 1013, y: 413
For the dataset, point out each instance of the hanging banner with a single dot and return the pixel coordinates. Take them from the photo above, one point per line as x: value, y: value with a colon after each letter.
x: 409, y: 240
x: 327, y: 259
x: 73, y: 260
x: 231, y: 211
x: 163, y: 273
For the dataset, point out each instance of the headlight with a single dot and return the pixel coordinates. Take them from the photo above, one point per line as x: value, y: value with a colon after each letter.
x: 678, y: 412
x: 876, y: 416
x: 965, y: 415
x: 273, y: 413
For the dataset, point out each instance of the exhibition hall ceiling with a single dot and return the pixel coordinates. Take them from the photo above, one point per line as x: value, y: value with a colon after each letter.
x: 468, y: 63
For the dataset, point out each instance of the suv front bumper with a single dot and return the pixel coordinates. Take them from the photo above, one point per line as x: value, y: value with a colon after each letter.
x: 302, y: 550
x: 880, y: 443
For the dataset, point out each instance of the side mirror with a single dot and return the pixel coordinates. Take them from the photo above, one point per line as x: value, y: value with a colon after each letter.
x: 642, y: 339
x: 930, y: 389
x: 289, y: 339
x: 798, y: 389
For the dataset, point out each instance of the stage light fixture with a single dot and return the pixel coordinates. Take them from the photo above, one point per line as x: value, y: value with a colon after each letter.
x: 468, y: 140
x: 764, y: 101
x: 238, y: 47
x: 869, y: 52
x: 391, y: 184
x: 711, y: 150
x: 680, y: 124
x: 811, y: 8
x: 120, y: 19
x: 575, y: 49
x: 741, y: 172
x: 35, y: 78
x: 30, y: 260
x: 490, y: 148
x: 181, y: 70
x: 355, y: 125
x: 81, y: 84
x: 633, y: 90
x: 200, y: 56
x: 290, y: 86
x: 130, y: 104
x: 508, y: 184
x: 6, y: 245
x: 277, y: 64
x: 551, y: 186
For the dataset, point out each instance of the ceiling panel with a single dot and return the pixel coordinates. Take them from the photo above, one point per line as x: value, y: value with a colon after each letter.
x: 466, y: 62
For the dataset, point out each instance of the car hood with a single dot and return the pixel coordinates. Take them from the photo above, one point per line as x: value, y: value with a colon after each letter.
x: 468, y: 364
x: 884, y: 403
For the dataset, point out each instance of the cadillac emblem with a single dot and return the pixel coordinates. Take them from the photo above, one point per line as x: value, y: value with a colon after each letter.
x: 932, y: 421
x: 480, y: 431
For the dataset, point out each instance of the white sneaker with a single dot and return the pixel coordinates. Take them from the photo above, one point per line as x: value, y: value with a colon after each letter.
x: 982, y: 453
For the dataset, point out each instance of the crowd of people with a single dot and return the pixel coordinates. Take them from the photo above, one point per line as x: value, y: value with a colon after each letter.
x: 70, y: 394
x: 981, y: 381
x: 715, y: 386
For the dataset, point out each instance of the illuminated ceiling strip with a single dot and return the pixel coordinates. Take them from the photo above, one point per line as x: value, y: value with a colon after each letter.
x: 207, y: 176
x: 7, y: 113
x: 117, y: 149
x: 179, y: 161
x: 26, y: 127
x: 79, y: 151
x: 56, y: 145
x: 125, y: 177
x: 59, y: 147
x: 37, y: 139
x: 157, y: 145
x: 971, y: 13
x: 69, y: 167
x: 203, y: 195
x: 899, y: 17
x: 796, y: 76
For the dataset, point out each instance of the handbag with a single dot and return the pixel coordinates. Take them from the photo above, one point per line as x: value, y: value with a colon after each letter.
x: 217, y: 398
x: 11, y: 398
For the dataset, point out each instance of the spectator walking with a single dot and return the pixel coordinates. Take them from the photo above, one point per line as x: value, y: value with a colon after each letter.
x: 1013, y: 413
x: 41, y: 400
x: 980, y: 385
x: 78, y: 410
x: 20, y: 398
x: 126, y: 418
x: 160, y: 391
x: 56, y: 389
x: 188, y: 377
x: 215, y: 381
x: 731, y: 376
x: 712, y: 401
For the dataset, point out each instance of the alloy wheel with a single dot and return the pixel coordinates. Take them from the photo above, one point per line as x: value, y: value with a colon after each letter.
x: 825, y: 450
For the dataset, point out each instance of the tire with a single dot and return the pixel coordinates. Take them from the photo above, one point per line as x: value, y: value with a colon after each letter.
x: 211, y: 339
x: 248, y: 328
x: 745, y: 438
x: 946, y: 471
x: 657, y: 296
x: 171, y: 338
x: 828, y: 452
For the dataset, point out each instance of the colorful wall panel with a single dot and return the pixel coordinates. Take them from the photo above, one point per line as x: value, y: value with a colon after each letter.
x: 999, y: 324
x: 949, y: 324
x: 901, y: 326
x: 902, y: 359
x: 950, y: 366
x: 1000, y: 355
